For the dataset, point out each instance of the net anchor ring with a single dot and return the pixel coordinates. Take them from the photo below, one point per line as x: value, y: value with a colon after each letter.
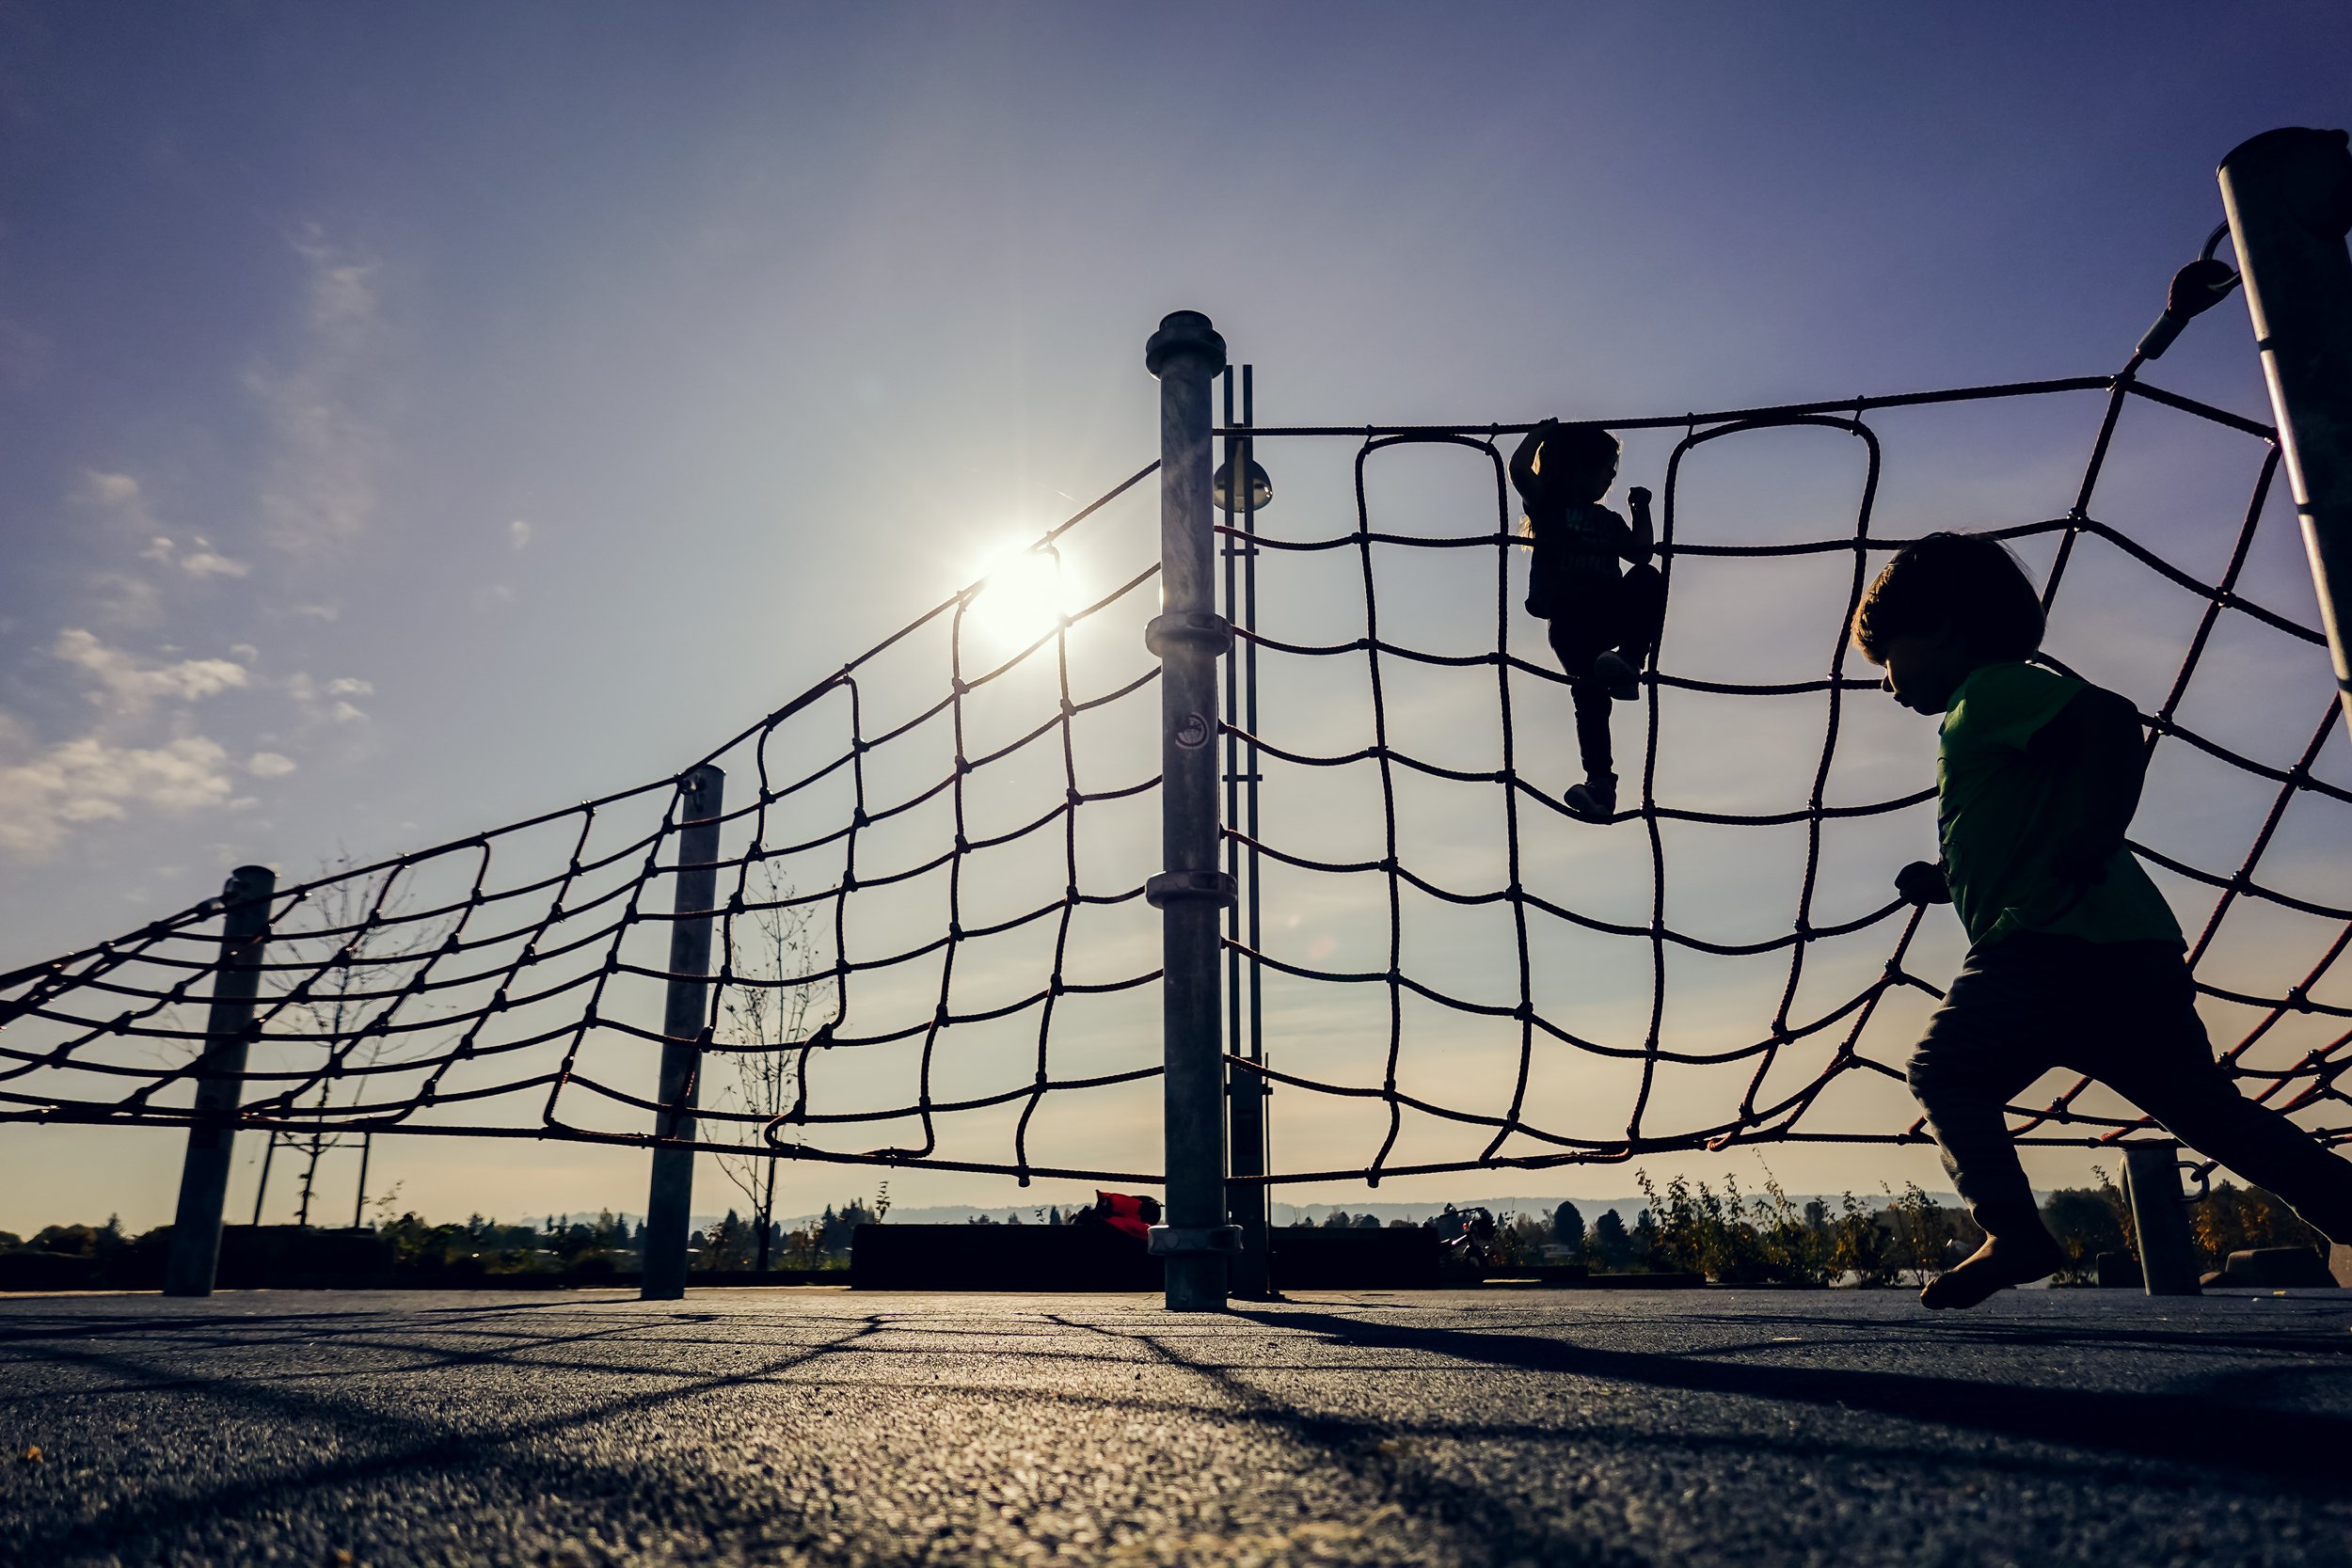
x: 1188, y: 628
x: 1168, y: 888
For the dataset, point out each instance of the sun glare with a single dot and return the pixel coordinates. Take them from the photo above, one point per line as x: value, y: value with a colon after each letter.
x: 1021, y: 598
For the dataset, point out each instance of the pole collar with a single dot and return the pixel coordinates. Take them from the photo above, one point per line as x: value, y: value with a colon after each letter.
x: 1188, y: 628
x: 1184, y: 332
x: 1180, y: 1240
x: 1182, y: 887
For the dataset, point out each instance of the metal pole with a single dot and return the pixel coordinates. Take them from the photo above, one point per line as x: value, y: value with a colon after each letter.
x: 2289, y: 197
x: 1189, y: 634
x: 1256, y: 776
x: 195, y: 1256
x: 2168, y: 1254
x: 684, y: 1024
x: 260, y: 1188
x: 1246, y: 1202
x: 360, y: 1205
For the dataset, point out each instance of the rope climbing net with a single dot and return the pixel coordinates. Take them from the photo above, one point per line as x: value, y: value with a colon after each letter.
x: 933, y: 879
x: 930, y: 945
x: 1502, y: 935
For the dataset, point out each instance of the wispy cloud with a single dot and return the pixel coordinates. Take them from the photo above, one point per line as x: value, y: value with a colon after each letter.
x: 117, y: 503
x: 519, y: 533
x: 129, y: 685
x: 88, y: 779
x: 328, y: 701
x: 318, y: 489
x: 269, y: 765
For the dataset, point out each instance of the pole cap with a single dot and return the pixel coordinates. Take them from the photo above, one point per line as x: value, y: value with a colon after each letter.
x: 1184, y: 332
x: 246, y: 883
x: 2314, y: 169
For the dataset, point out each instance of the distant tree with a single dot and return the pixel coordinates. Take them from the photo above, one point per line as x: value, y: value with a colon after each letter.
x: 2084, y: 1227
x: 1644, y: 1250
x: 2231, y: 1218
x: 766, y: 1016
x: 1367, y: 1222
x: 1337, y: 1220
x: 728, y: 1244
x: 1567, y: 1229
x: 1611, y: 1248
x: 1053, y: 1215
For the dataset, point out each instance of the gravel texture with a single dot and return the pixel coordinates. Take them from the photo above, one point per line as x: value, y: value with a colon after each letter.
x: 823, y: 1426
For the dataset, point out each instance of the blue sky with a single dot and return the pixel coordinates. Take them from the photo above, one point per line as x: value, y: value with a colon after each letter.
x: 421, y: 419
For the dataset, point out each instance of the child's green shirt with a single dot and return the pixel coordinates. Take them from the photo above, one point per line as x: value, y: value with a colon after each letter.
x: 2002, y: 815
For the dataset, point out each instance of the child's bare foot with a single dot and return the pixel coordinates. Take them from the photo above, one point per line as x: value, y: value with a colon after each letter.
x: 1993, y: 1267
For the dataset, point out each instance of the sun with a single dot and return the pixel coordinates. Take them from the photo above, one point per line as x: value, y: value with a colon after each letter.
x: 1021, y: 598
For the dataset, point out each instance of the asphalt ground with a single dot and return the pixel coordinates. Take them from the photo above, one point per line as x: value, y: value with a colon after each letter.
x: 825, y: 1426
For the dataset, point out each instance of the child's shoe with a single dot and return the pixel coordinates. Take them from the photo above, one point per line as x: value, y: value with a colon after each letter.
x: 1594, y: 799
x: 1619, y: 677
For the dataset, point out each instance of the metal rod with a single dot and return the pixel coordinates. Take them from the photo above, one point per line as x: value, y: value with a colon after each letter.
x: 1196, y: 1241
x: 194, y: 1257
x: 2288, y: 194
x: 260, y: 1188
x: 1254, y: 772
x: 2168, y: 1254
x: 686, y: 1021
x: 1244, y: 1092
x: 360, y: 1204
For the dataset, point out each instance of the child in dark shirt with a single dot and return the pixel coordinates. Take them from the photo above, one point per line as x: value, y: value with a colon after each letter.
x: 2075, y: 959
x: 1602, y: 624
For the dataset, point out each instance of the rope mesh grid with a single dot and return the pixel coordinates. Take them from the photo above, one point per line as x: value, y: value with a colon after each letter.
x: 959, y: 864
x: 2289, y: 1043
x: 939, y: 878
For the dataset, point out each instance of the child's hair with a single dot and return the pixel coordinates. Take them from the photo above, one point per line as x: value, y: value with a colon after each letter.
x: 1967, y: 582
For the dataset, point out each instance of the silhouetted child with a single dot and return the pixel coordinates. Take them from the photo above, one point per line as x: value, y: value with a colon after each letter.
x: 2074, y: 960
x: 1602, y: 624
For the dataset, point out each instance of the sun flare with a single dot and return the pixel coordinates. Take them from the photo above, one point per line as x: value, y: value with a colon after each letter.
x: 1022, y: 597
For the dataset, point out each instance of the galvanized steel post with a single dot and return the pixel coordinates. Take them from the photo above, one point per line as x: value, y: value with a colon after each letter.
x: 685, y: 1022
x: 1250, y: 1274
x: 2289, y: 197
x: 1190, y: 893
x: 195, y: 1256
x: 2168, y: 1254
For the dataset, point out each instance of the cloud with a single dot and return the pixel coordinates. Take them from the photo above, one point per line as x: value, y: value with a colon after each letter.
x: 202, y: 562
x: 269, y: 765
x: 119, y: 506
x: 319, y: 488
x: 130, y: 685
x: 89, y: 780
x: 120, y: 599
x: 519, y: 533
x: 328, y: 702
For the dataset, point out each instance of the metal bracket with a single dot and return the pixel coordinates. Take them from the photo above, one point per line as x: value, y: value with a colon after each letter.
x: 1197, y: 627
x: 1173, y: 1240
x: 1177, y: 887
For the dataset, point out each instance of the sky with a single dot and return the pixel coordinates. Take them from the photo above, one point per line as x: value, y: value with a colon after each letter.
x: 419, y: 419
